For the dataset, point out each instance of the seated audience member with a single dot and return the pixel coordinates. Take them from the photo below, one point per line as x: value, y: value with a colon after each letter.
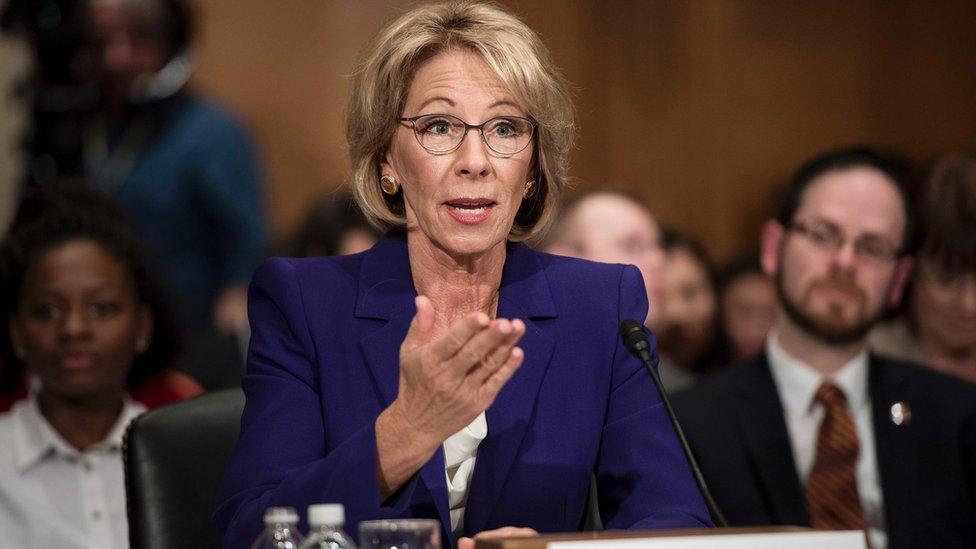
x: 815, y: 431
x: 747, y: 305
x: 82, y: 317
x: 613, y: 227
x: 334, y: 225
x: 939, y: 328
x: 687, y: 329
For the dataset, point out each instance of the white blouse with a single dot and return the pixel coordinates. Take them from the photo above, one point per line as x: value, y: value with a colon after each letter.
x: 460, y: 451
x: 56, y: 488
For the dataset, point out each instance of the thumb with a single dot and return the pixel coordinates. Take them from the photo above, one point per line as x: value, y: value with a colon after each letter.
x: 465, y: 543
x: 422, y: 323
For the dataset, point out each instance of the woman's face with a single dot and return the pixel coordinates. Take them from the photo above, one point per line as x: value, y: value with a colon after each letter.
x: 79, y: 324
x: 690, y: 306
x: 945, y: 308
x: 462, y: 202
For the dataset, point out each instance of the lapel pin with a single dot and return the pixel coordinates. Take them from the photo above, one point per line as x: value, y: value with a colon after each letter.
x: 901, y: 414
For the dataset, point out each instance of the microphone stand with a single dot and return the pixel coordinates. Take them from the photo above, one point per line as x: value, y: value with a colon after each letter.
x: 636, y: 341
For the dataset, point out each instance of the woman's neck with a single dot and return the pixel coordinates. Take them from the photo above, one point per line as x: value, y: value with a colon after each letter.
x: 456, y: 285
x: 81, y: 422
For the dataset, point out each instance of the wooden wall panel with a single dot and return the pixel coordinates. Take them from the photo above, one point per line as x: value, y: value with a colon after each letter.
x: 702, y: 107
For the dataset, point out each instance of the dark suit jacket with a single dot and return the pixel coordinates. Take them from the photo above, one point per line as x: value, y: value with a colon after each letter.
x: 323, y: 363
x: 735, y: 424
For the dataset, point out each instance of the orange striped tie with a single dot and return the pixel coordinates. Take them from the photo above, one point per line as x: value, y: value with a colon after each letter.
x: 831, y: 490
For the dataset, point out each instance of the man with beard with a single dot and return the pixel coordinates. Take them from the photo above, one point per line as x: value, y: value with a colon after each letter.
x: 816, y: 431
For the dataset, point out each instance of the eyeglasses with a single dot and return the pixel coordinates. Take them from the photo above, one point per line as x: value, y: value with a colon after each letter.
x: 869, y: 248
x: 443, y: 133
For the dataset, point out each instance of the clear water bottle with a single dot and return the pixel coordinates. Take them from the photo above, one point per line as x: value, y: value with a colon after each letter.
x: 325, y: 522
x: 280, y: 530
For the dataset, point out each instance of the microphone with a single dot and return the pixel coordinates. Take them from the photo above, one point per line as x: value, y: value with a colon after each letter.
x: 635, y: 339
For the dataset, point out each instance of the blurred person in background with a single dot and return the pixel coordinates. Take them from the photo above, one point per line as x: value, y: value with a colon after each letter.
x: 816, y: 430
x: 613, y: 227
x: 939, y: 326
x: 181, y: 167
x: 688, y: 327
x: 747, y: 301
x: 334, y: 225
x: 85, y: 326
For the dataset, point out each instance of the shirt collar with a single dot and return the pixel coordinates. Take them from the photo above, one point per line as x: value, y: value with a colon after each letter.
x: 35, y: 440
x: 797, y: 381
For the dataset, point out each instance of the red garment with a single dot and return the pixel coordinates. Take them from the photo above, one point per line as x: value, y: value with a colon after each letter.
x: 165, y: 387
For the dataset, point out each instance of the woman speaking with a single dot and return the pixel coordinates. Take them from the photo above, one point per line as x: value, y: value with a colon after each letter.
x: 450, y: 372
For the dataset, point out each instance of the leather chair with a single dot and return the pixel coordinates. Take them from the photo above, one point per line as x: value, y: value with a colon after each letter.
x: 175, y: 457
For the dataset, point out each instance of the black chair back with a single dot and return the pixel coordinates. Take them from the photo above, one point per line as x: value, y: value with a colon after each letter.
x: 175, y: 457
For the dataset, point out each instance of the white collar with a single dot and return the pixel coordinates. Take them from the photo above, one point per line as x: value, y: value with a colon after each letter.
x: 797, y: 381
x: 34, y: 439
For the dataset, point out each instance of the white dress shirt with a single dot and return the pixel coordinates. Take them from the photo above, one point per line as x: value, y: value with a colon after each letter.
x: 80, y: 493
x: 460, y: 451
x: 797, y: 383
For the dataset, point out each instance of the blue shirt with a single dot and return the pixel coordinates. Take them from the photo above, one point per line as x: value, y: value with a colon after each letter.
x: 185, y: 173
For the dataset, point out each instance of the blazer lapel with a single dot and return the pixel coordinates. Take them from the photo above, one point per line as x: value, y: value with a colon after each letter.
x: 525, y: 295
x: 768, y: 444
x: 386, y: 293
x: 896, y: 446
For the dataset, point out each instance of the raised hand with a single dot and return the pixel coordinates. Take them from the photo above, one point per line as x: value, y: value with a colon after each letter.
x: 445, y: 382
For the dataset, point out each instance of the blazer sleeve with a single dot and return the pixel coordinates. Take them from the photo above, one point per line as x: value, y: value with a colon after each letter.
x: 643, y: 478
x: 281, y: 457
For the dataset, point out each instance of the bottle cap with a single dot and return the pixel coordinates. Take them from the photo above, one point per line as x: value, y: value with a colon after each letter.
x: 326, y: 514
x: 276, y: 515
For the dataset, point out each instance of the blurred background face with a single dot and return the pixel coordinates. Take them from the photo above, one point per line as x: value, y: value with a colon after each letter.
x: 79, y: 322
x: 945, y: 309
x: 837, y: 294
x: 128, y: 43
x: 748, y: 312
x: 613, y: 229
x: 690, y: 306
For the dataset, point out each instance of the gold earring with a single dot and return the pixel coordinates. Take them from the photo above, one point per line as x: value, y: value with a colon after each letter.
x: 529, y: 190
x: 389, y: 185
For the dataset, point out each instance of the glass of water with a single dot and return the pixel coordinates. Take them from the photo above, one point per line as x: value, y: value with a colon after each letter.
x: 400, y: 534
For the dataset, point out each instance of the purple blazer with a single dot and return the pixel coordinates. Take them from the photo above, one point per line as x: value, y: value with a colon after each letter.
x: 322, y: 365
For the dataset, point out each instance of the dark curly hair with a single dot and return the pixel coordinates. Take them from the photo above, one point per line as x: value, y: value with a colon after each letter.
x: 53, y: 214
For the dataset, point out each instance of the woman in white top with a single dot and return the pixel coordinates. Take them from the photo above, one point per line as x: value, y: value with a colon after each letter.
x: 82, y: 317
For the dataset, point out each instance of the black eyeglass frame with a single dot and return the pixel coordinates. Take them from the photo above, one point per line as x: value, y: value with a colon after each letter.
x: 533, y: 124
x: 838, y: 240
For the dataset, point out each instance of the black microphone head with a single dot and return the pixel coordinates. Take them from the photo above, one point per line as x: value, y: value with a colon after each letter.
x: 632, y: 332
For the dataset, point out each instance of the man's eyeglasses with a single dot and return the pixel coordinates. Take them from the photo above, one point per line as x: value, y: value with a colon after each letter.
x: 868, y: 248
x: 443, y: 133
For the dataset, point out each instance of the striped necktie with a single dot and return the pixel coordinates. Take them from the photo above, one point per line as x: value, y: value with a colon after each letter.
x: 831, y: 489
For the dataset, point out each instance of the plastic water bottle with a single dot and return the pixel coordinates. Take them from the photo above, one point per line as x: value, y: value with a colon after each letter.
x: 280, y: 530
x: 325, y: 522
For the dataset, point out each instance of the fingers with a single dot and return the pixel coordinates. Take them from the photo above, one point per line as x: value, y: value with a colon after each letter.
x: 493, y: 354
x: 458, y: 335
x: 422, y: 323
x: 500, y: 377
x: 506, y: 532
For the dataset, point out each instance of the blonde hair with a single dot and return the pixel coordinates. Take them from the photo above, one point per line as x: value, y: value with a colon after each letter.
x: 515, y: 54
